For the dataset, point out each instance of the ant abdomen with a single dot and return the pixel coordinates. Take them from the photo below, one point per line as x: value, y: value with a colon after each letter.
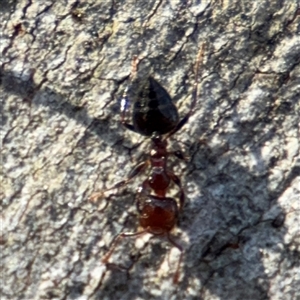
x: 154, y: 110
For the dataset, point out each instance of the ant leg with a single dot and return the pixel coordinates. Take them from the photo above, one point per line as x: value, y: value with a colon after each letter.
x: 194, y: 94
x: 95, y: 197
x: 177, y: 181
x: 123, y: 110
x: 179, y: 247
x: 142, y: 190
x: 134, y: 172
x: 116, y: 241
x: 124, y: 103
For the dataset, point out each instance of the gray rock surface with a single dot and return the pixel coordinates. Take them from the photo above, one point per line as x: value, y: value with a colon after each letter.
x: 64, y: 65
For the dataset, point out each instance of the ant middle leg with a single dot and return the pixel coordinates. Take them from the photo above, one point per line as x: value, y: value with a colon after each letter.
x: 177, y: 181
x: 134, y: 172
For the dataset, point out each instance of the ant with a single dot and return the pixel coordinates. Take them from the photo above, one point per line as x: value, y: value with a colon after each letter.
x: 154, y: 115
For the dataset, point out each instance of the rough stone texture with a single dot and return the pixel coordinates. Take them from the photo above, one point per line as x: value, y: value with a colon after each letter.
x: 64, y: 64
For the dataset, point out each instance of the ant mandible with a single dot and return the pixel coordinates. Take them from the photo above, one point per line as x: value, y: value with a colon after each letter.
x: 155, y: 115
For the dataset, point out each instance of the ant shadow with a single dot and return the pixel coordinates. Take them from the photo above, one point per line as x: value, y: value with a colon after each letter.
x: 225, y: 219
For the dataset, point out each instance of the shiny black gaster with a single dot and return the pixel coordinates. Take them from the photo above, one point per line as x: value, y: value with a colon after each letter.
x: 154, y: 111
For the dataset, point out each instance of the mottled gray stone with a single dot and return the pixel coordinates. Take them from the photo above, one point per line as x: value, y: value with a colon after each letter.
x: 64, y: 64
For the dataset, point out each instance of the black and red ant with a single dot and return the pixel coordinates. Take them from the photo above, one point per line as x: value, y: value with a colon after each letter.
x: 155, y: 115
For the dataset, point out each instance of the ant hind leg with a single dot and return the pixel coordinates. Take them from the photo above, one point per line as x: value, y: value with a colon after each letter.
x: 184, y: 120
x: 124, y: 102
x: 117, y: 240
